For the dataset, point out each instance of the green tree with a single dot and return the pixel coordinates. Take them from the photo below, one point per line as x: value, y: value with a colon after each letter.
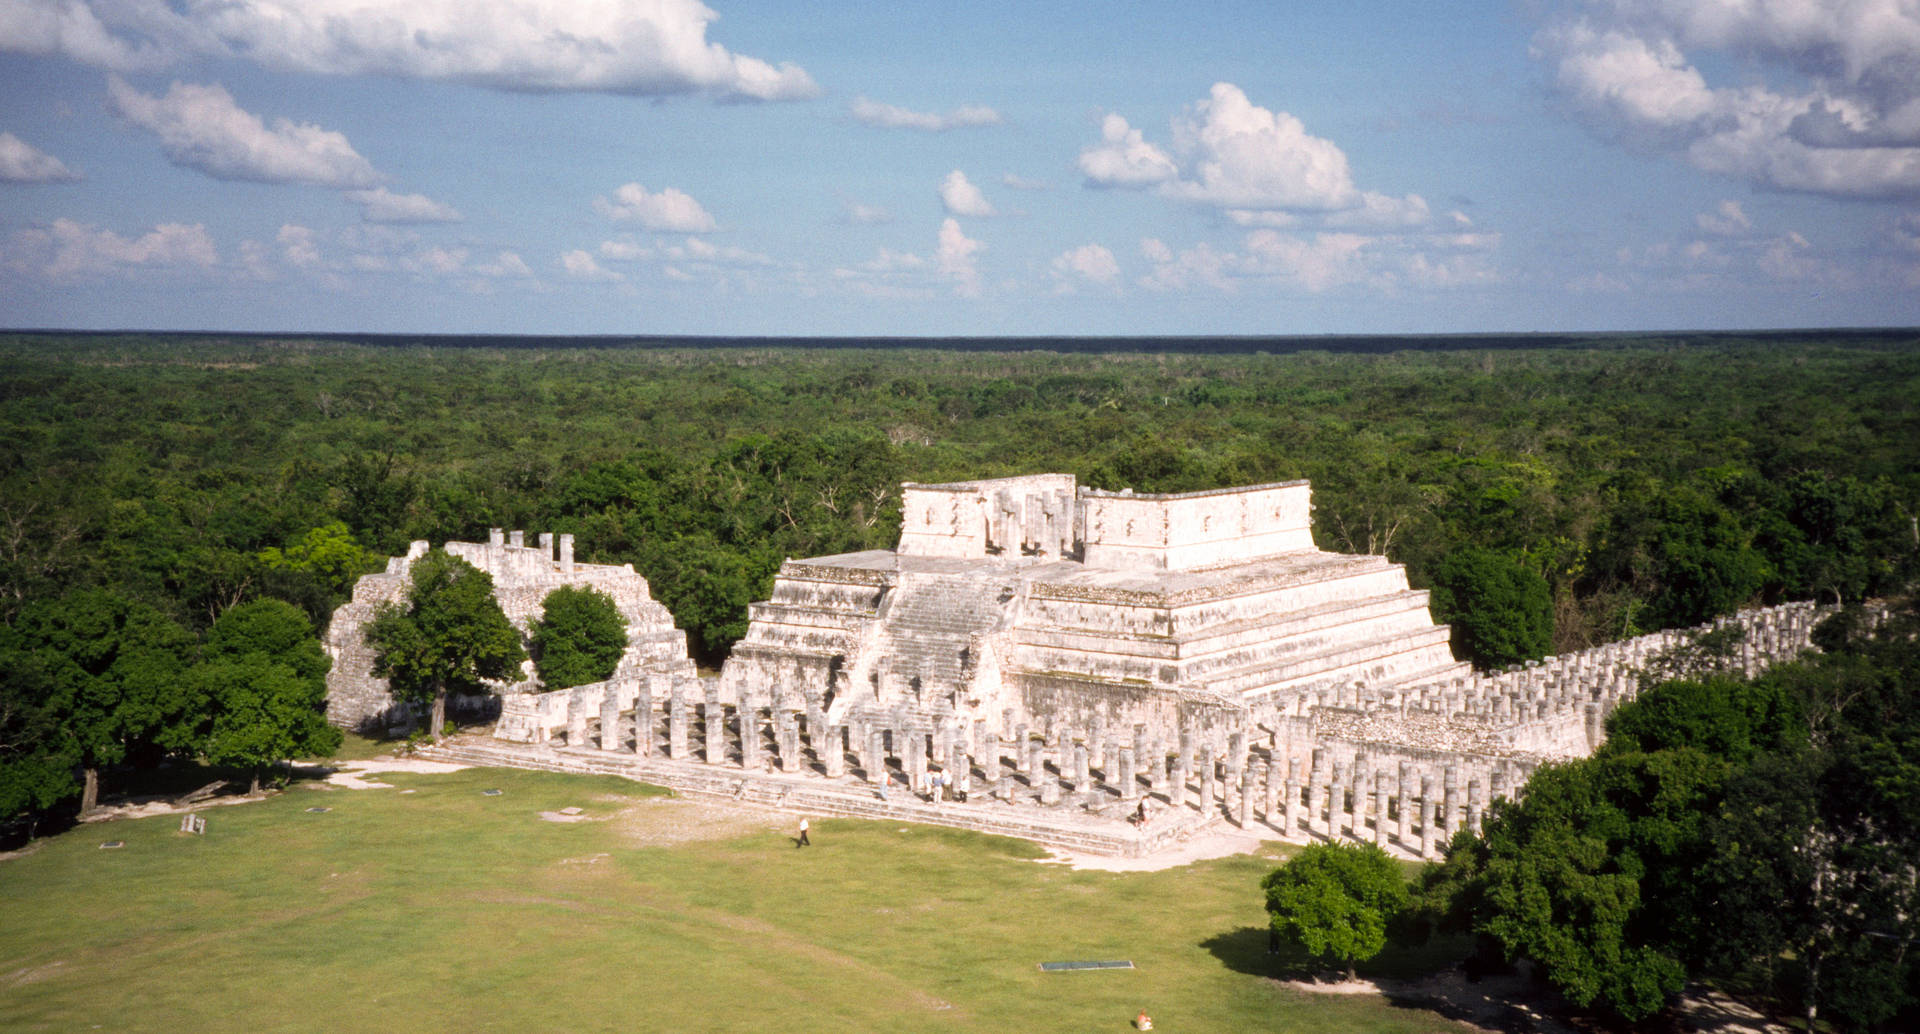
x: 262, y: 682
x: 578, y: 638
x: 328, y: 555
x: 450, y: 634
x: 112, y: 684
x: 1335, y: 900
x: 1501, y: 610
x: 36, y: 760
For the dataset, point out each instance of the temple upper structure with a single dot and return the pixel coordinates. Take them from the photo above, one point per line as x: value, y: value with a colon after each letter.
x: 1031, y: 601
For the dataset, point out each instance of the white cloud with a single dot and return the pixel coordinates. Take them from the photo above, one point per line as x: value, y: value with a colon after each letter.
x: 1325, y: 261
x: 297, y: 245
x: 1727, y: 220
x: 645, y: 47
x: 669, y: 210
x: 505, y: 264
x: 1262, y: 167
x: 887, y: 116
x: 1088, y: 263
x: 854, y: 213
x: 200, y: 127
x: 1248, y: 157
x: 960, y: 197
x: 69, y: 249
x: 1016, y: 182
x: 21, y: 162
x: 581, y: 266
x: 1828, y: 100
x: 955, y: 258
x: 625, y: 251
x: 1123, y: 158
x: 381, y: 205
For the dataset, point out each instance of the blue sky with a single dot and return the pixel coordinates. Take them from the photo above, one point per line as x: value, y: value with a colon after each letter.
x: 659, y: 166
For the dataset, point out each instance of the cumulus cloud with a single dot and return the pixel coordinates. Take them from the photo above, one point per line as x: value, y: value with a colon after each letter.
x: 1248, y: 157
x: 200, y: 127
x: 955, y: 258
x: 72, y: 250
x: 21, y: 162
x: 1829, y: 102
x: 297, y: 245
x: 1260, y: 166
x: 505, y: 264
x: 381, y: 205
x: 645, y: 47
x: 1123, y: 158
x: 581, y: 266
x: 669, y: 210
x: 1088, y: 263
x: 960, y: 197
x: 1726, y: 220
x: 887, y: 116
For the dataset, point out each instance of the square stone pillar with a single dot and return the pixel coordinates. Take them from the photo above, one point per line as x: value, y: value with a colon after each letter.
x: 1208, y: 785
x: 1404, y: 799
x: 832, y: 751
x: 1023, y: 752
x: 677, y: 722
x: 1475, y: 807
x: 1097, y: 743
x: 610, y: 738
x: 875, y: 762
x: 1157, y: 774
x: 1247, y: 779
x: 714, y: 721
x: 1451, y: 782
x: 576, y: 719
x: 1082, y: 770
x: 1428, y: 811
x: 1129, y: 783
x: 1380, y: 807
x: 643, y: 720
x: 790, y: 745
x: 1177, y: 783
x: 747, y: 717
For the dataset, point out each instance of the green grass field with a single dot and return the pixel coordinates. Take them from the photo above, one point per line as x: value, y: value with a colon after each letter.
x: 448, y: 910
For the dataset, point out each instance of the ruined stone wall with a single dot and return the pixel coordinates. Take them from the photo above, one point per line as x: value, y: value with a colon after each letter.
x: 522, y: 577
x: 1196, y: 529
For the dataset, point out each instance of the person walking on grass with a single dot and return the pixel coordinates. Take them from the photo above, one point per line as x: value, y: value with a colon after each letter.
x: 804, y: 842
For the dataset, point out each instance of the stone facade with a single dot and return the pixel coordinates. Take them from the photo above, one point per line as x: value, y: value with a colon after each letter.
x: 1082, y: 656
x: 522, y: 577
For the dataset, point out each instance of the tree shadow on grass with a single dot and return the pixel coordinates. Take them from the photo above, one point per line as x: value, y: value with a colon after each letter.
x: 1247, y: 950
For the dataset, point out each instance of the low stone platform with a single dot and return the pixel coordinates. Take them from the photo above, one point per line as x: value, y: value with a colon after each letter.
x: 1091, y: 826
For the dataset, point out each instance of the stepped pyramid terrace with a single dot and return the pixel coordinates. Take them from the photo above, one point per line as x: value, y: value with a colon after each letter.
x: 1043, y: 660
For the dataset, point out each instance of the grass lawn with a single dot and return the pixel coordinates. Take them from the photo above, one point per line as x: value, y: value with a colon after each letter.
x: 449, y: 910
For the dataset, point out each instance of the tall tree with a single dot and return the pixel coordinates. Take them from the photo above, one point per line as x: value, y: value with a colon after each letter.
x: 1501, y: 610
x: 450, y: 634
x: 579, y: 637
x: 263, y: 685
x: 112, y: 669
x: 1335, y: 900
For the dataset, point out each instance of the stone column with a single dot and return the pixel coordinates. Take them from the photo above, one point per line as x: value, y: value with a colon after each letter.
x: 1404, y: 827
x: 1270, y: 796
x: 1208, y: 785
x: 643, y: 720
x: 747, y: 716
x: 1177, y: 784
x: 1157, y: 755
x: 1082, y: 771
x: 1475, y: 808
x: 1142, y: 749
x: 1247, y: 778
x: 1337, y: 802
x: 1290, y: 801
x: 790, y: 760
x: 1129, y: 783
x: 876, y: 760
x: 610, y: 738
x: 1035, y: 754
x: 833, y: 751
x: 576, y: 719
x: 1380, y: 807
x: 1451, y: 783
x: 916, y: 762
x: 1097, y: 743
x: 677, y: 722
x: 716, y: 728
x: 1022, y: 752
x: 1427, y: 816
x: 1317, y: 786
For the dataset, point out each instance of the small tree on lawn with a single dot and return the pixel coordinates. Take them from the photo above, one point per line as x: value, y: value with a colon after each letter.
x: 1334, y: 900
x: 263, y: 681
x: 579, y: 637
x: 450, y: 634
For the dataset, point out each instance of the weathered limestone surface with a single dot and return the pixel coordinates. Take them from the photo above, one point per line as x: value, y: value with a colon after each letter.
x: 522, y: 577
x: 1056, y: 654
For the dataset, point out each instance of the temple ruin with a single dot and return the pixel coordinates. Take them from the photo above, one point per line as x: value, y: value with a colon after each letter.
x: 1056, y: 655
